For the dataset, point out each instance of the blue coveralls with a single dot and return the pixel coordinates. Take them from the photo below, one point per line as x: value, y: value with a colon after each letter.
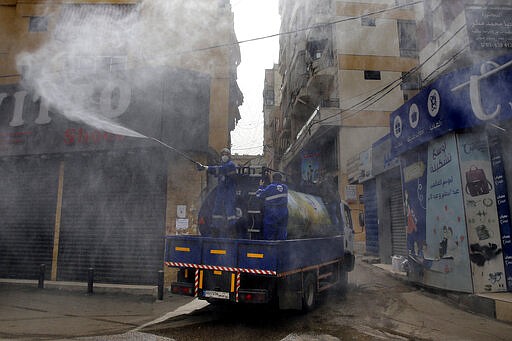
x: 225, y: 196
x: 275, y: 217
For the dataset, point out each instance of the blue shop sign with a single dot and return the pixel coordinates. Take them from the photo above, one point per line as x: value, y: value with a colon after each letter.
x: 466, y: 98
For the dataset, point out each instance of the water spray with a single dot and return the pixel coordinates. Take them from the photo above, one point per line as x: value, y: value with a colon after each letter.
x: 116, y: 128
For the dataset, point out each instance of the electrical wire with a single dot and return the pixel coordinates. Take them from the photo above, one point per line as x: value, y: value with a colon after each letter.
x: 146, y: 60
x: 391, y: 86
x: 384, y: 91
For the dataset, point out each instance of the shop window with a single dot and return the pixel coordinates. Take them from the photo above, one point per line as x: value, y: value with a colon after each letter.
x: 38, y: 24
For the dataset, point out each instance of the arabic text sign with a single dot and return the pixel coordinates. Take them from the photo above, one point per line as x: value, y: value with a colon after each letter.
x: 489, y: 27
x: 462, y: 99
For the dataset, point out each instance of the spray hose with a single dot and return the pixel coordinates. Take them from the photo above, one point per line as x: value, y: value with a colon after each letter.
x: 177, y: 151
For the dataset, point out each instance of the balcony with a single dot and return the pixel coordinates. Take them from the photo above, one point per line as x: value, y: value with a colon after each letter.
x: 322, y: 72
x: 320, y: 127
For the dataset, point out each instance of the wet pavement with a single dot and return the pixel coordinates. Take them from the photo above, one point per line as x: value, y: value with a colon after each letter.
x: 65, y: 311
x: 53, y: 313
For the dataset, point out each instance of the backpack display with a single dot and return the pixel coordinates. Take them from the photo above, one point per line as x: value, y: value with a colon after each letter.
x: 476, y: 182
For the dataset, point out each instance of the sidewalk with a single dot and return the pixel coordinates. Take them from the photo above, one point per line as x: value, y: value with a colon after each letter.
x: 495, y: 305
x: 65, y: 311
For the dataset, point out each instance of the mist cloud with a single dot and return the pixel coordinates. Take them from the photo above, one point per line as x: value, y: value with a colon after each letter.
x: 80, y: 71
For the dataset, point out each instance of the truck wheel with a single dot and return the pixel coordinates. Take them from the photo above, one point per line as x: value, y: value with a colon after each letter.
x: 309, y: 293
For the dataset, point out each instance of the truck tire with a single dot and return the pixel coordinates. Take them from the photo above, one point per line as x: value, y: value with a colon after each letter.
x: 309, y: 293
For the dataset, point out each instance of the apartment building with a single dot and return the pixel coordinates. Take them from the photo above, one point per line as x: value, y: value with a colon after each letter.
x: 272, y: 118
x: 339, y: 62
x: 86, y: 90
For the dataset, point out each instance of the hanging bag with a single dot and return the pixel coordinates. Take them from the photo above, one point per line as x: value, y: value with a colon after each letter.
x: 476, y: 182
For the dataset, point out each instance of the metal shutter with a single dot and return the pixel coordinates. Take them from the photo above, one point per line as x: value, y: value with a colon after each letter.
x: 113, y: 218
x: 370, y: 217
x: 398, y: 222
x: 27, y: 208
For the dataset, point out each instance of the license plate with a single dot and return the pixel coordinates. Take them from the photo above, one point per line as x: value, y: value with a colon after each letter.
x: 216, y: 294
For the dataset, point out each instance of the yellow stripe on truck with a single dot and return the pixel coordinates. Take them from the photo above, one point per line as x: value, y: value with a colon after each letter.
x: 218, y: 252
x: 232, y: 282
x: 182, y: 249
x: 255, y: 255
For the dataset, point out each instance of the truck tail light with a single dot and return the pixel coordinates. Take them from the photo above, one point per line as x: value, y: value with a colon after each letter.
x: 253, y: 296
x: 182, y: 289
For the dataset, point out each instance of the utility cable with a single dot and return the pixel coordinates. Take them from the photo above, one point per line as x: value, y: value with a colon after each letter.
x: 384, y: 91
x: 391, y: 85
x: 305, y: 28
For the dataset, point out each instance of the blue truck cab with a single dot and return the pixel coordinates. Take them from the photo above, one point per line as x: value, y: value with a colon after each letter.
x: 240, y: 267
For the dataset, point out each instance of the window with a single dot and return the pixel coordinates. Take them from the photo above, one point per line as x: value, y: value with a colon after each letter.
x: 269, y: 101
x: 38, y: 24
x: 407, y: 38
x: 368, y: 21
x: 372, y: 75
x: 410, y: 81
x: 316, y: 48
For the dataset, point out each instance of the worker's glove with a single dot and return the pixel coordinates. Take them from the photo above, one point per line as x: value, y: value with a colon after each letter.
x: 201, y: 167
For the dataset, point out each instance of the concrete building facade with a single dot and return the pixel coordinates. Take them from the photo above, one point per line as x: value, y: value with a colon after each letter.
x: 86, y: 192
x: 340, y: 62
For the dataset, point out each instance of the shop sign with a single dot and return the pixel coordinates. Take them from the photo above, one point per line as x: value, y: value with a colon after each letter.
x: 382, y: 160
x: 173, y: 107
x: 462, y: 99
x: 365, y: 165
x: 310, y: 167
x: 502, y: 204
x: 489, y: 27
x: 351, y: 193
x: 446, y: 249
x: 483, y: 223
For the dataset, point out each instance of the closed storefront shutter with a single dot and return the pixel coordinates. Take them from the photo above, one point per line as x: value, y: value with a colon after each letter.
x: 28, y: 197
x: 370, y: 217
x: 113, y: 218
x: 398, y: 222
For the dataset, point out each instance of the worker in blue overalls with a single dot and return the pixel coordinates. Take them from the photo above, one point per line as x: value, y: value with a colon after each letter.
x: 224, y: 212
x: 275, y: 215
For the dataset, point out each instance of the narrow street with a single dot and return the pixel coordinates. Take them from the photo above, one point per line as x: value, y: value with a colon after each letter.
x: 376, y: 307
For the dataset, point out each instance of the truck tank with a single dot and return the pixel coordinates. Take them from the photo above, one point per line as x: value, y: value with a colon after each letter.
x: 308, y: 217
x: 308, y: 214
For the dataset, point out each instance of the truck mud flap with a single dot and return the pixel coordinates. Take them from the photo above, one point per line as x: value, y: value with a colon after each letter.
x: 349, y: 261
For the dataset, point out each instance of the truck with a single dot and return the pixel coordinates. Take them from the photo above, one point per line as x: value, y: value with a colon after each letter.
x: 242, y: 268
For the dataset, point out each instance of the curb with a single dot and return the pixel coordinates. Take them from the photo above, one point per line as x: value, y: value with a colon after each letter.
x: 98, y: 288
